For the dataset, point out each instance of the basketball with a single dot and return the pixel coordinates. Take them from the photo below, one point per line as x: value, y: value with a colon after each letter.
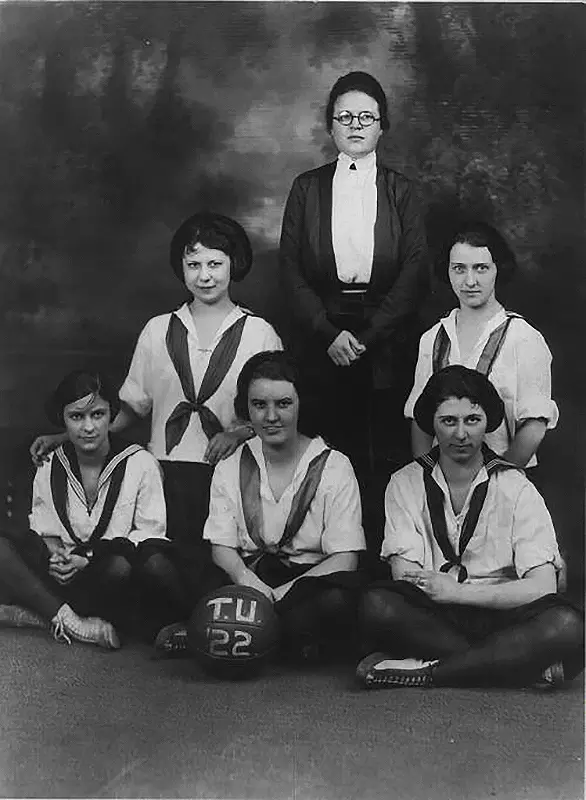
x: 232, y: 631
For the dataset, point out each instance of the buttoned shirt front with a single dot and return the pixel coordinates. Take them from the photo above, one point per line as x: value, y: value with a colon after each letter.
x: 152, y: 383
x: 521, y: 373
x: 514, y: 532
x: 139, y: 512
x: 332, y: 524
x: 354, y: 205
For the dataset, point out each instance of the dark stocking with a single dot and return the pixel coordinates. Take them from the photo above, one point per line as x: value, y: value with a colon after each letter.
x: 103, y: 589
x: 516, y: 655
x: 393, y: 624
x: 329, y: 616
x: 161, y: 596
x: 22, y: 586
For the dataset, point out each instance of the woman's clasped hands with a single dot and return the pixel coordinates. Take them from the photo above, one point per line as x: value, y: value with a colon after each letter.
x: 64, y: 566
x: 345, y: 349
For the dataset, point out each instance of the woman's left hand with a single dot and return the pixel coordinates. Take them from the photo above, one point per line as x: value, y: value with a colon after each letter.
x: 224, y: 444
x: 64, y: 568
x: 441, y: 587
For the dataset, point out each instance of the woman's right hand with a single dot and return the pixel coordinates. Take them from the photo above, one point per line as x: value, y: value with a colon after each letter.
x: 43, y: 445
x: 249, y: 578
x: 345, y: 349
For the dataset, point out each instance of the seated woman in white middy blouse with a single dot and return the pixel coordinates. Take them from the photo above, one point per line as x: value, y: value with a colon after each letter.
x: 480, y: 334
x: 285, y: 516
x: 96, y: 551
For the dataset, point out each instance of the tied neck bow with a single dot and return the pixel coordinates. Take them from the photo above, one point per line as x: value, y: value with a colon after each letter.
x: 249, y: 477
x: 437, y: 511
x: 219, y: 364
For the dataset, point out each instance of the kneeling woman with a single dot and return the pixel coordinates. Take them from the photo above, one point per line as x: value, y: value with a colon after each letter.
x: 97, y: 521
x: 285, y: 513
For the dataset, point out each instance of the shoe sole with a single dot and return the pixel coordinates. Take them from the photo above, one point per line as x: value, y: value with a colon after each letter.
x: 363, y: 670
x: 366, y: 675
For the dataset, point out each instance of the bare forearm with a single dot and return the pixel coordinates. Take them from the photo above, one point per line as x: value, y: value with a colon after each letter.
x: 338, y: 562
x: 444, y: 588
x: 504, y: 595
x: 228, y: 559
x: 399, y: 566
x: 54, y: 544
x: 526, y: 441
x: 124, y: 419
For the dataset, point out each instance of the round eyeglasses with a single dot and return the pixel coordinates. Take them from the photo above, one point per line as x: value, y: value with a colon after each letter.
x: 365, y: 118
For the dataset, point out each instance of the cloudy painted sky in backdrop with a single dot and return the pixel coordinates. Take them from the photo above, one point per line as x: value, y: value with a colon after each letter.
x: 118, y: 120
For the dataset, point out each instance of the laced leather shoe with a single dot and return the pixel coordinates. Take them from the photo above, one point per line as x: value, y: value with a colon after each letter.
x: 172, y: 641
x: 378, y: 671
x: 68, y: 625
x: 552, y: 677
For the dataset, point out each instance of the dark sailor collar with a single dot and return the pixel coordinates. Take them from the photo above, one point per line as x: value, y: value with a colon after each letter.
x: 119, y: 451
x: 436, y: 505
x: 491, y: 461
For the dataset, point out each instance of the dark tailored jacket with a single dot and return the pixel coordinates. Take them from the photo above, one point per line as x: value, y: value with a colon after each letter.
x: 399, y: 269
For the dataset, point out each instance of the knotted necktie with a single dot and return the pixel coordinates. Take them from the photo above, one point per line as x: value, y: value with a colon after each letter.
x: 437, y: 511
x: 219, y: 364
x: 252, y: 503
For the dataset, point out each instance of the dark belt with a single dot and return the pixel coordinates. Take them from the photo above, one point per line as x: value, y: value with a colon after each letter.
x: 354, y: 289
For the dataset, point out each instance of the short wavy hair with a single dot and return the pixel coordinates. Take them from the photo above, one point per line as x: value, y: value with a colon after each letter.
x: 479, y: 234
x: 358, y: 82
x: 77, y: 384
x: 458, y: 381
x: 216, y: 232
x: 272, y: 365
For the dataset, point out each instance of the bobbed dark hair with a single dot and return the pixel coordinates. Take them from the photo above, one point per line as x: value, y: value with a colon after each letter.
x: 272, y: 365
x: 479, y: 234
x: 458, y: 381
x: 358, y: 82
x: 78, y: 384
x: 216, y: 232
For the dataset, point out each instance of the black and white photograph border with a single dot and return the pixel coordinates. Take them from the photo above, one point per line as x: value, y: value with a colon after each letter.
x: 121, y: 119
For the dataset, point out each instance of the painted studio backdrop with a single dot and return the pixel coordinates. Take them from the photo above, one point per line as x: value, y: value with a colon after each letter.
x: 117, y: 120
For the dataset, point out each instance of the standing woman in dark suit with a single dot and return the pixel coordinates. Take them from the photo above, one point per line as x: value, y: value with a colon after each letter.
x: 353, y: 258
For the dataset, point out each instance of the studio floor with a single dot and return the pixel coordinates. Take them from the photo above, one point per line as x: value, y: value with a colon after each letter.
x: 77, y: 721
